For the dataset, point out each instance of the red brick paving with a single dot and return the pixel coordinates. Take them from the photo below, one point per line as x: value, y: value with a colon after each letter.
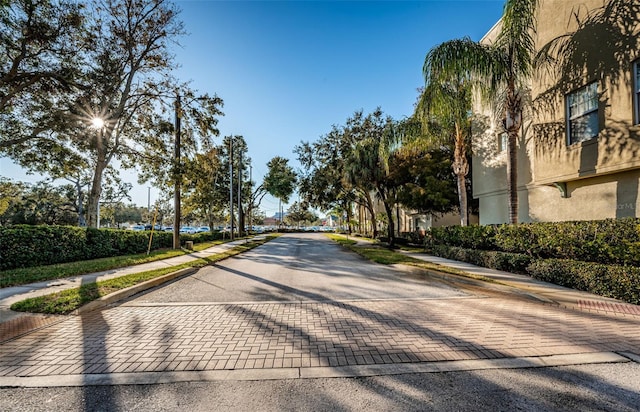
x: 308, y: 334
x: 609, y: 307
x: 25, y: 324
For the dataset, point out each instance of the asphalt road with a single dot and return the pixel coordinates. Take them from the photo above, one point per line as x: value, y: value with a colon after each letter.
x: 304, y: 294
x: 607, y: 387
x: 301, y: 267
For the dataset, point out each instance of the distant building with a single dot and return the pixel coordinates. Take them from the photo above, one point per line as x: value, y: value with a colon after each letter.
x: 270, y: 221
x: 579, y: 150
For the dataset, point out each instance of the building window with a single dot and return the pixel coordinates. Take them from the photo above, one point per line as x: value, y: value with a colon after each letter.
x: 636, y: 91
x: 582, y: 113
x: 503, y: 139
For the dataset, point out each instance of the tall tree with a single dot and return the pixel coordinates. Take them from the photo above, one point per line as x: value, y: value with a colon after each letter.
x: 322, y: 181
x: 299, y: 213
x: 128, y: 62
x: 36, y: 204
x: 423, y: 179
x: 280, y: 180
x: 444, y: 109
x: 128, y: 83
x: 39, y: 41
x: 375, y: 140
x: 501, y: 69
x: 202, y: 175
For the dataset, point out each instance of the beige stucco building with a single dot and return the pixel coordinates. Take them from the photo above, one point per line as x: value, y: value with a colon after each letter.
x: 579, y: 148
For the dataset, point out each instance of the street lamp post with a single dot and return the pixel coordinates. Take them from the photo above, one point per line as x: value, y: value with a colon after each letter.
x: 240, y: 218
x: 231, y: 185
x: 177, y: 175
x: 250, y: 198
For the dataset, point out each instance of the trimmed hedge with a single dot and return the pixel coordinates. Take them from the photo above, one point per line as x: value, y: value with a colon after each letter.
x: 28, y: 246
x: 601, y: 257
x: 509, y: 262
x: 613, y: 281
x: 611, y: 241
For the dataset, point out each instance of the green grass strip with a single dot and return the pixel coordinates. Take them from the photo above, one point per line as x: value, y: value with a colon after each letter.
x: 65, y: 302
x: 23, y: 276
x: 386, y: 256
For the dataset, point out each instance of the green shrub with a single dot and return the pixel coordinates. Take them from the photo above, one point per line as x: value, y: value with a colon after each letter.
x: 469, y: 237
x: 26, y: 246
x: 610, y: 241
x: 603, y: 241
x: 510, y: 262
x: 614, y: 281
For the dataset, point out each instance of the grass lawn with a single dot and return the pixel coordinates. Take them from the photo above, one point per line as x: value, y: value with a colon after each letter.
x: 380, y: 254
x: 69, y: 300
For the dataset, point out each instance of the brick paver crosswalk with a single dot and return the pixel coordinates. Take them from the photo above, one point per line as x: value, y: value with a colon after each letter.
x: 223, y: 336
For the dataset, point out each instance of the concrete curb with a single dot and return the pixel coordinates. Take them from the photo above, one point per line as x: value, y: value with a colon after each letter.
x: 486, y: 283
x: 149, y: 378
x: 131, y: 290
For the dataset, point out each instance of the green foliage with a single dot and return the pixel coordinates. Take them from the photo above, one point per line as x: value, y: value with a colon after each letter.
x: 281, y: 179
x: 510, y: 262
x: 26, y: 246
x: 470, y: 237
x: 424, y: 180
x: 23, y: 276
x: 342, y: 240
x: 611, y: 241
x: 36, y: 204
x: 299, y: 213
x: 614, y: 281
x: 600, y: 257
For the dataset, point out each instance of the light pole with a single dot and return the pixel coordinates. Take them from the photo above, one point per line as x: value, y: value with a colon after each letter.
x: 250, y: 198
x: 177, y: 175
x: 240, y: 218
x: 231, y: 184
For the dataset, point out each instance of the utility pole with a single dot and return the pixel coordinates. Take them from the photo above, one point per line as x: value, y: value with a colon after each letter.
x: 231, y: 183
x: 240, y: 220
x: 177, y: 176
x: 250, y: 208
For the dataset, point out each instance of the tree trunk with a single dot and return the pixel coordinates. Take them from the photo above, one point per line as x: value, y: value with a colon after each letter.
x: 398, y: 220
x: 93, y: 207
x: 241, y: 220
x: 512, y: 177
x: 512, y: 122
x: 391, y: 226
x: 81, y: 219
x: 348, y: 209
x: 461, y: 169
x: 374, y: 222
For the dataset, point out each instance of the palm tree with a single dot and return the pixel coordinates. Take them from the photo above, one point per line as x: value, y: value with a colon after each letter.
x: 368, y: 163
x: 444, y: 110
x: 500, y: 69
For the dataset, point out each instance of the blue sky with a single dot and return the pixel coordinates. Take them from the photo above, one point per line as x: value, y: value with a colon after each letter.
x: 287, y: 71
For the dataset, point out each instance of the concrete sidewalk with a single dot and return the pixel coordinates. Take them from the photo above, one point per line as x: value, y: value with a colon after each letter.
x: 16, y: 323
x: 522, y: 284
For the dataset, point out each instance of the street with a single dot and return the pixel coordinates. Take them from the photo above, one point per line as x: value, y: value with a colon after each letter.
x: 301, y: 324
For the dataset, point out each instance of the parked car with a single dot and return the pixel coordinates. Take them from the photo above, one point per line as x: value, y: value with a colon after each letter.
x: 168, y: 228
x: 188, y: 229
x: 137, y: 227
x: 203, y: 229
